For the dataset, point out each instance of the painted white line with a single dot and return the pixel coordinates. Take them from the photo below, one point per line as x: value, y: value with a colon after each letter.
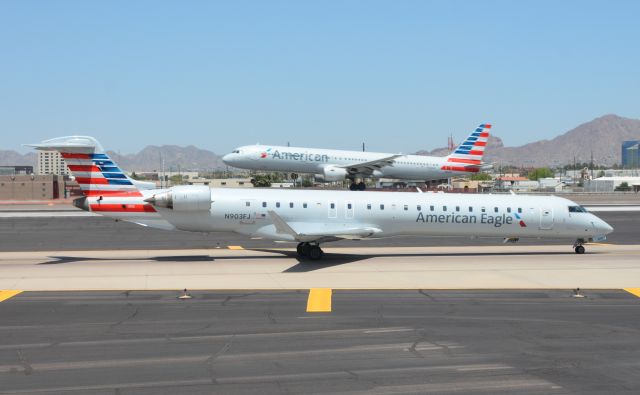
x: 46, y: 214
x: 612, y: 208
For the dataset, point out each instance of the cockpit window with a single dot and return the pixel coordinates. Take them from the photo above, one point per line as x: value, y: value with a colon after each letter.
x: 237, y: 151
x: 577, y: 209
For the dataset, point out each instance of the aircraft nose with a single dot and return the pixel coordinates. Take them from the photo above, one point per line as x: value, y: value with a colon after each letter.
x: 602, y: 227
x: 606, y: 228
x: 228, y: 158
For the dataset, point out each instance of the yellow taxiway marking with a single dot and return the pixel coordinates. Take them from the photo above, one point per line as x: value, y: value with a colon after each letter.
x: 9, y: 293
x: 235, y: 247
x: 319, y: 300
x: 634, y: 291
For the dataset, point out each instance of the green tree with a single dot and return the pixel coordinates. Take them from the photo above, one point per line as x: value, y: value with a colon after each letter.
x: 176, y: 179
x: 481, y: 177
x: 623, y: 187
x: 541, y: 172
x: 600, y: 173
x: 261, y: 181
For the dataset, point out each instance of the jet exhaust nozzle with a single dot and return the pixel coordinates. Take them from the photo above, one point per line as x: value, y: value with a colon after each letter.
x: 164, y: 199
x: 81, y: 203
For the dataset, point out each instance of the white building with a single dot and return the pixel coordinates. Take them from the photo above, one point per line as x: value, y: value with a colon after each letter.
x: 51, y: 162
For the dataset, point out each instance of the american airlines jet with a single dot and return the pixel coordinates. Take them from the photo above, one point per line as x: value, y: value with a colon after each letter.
x: 336, y: 165
x: 311, y: 217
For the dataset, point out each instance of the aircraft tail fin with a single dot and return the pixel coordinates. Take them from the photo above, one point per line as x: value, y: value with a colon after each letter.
x: 92, y: 168
x: 468, y: 155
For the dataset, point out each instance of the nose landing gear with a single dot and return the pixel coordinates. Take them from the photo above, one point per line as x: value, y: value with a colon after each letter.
x: 578, y: 246
x: 311, y: 251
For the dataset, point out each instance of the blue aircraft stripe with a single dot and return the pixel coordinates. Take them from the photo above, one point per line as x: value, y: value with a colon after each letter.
x: 464, y: 146
x: 103, y: 162
x: 478, y: 130
x: 459, y: 151
x: 472, y: 138
x: 113, y: 175
x: 99, y: 156
x: 119, y: 182
x: 110, y: 169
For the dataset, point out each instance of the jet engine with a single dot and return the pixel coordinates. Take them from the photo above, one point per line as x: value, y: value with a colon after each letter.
x: 331, y: 173
x: 183, y: 198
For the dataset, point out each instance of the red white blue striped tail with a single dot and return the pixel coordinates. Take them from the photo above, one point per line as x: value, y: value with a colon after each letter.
x: 467, y: 157
x: 94, y: 171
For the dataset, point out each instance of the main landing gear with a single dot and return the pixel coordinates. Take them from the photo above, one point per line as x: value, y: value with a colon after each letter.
x: 311, y: 251
x: 578, y: 246
x: 359, y: 186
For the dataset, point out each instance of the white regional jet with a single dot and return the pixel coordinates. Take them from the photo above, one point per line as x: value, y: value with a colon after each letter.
x: 337, y: 165
x: 312, y: 217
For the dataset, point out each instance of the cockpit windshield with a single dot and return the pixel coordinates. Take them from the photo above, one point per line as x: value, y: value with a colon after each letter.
x: 235, y: 151
x: 577, y: 209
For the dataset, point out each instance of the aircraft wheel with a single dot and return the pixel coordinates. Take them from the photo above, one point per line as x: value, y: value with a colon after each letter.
x: 315, y: 253
x: 579, y: 249
x: 361, y: 186
x: 300, y: 249
x: 353, y: 187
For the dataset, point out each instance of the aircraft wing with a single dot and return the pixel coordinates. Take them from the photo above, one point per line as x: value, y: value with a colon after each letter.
x: 371, y: 166
x: 320, y: 231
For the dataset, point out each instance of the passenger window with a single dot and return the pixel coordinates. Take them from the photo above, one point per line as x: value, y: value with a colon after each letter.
x: 431, y: 208
x: 419, y: 208
x: 519, y: 210
x: 248, y: 204
x: 264, y: 204
x: 290, y: 204
x: 508, y: 209
x: 470, y: 209
x: 382, y: 207
x: 483, y: 209
x: 304, y: 205
x: 333, y: 205
x: 495, y: 209
x: 406, y: 207
x: 457, y: 208
x: 349, y: 206
x: 278, y: 204
x: 368, y: 206
x: 444, y: 208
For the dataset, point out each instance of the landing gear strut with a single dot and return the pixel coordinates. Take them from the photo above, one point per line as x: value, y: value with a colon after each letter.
x: 311, y: 251
x: 359, y: 186
x: 578, y: 246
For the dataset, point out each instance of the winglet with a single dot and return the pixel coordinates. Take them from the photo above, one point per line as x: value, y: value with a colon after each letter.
x: 282, y: 226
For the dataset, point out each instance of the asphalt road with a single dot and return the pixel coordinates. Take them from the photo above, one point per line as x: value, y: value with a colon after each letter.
x: 391, y: 342
x: 98, y: 233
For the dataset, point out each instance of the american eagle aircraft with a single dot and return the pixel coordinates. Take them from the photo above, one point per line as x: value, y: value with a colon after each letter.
x: 313, y: 217
x: 337, y: 165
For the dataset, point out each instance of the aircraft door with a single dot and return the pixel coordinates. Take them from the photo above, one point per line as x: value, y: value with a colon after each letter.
x: 348, y: 210
x: 333, y: 209
x: 546, y: 218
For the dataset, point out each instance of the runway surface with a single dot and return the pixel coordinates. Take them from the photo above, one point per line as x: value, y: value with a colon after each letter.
x: 478, y: 267
x: 391, y: 342
x: 99, y: 233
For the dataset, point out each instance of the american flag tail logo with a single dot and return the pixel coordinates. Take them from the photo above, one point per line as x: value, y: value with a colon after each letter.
x: 92, y: 168
x: 467, y: 157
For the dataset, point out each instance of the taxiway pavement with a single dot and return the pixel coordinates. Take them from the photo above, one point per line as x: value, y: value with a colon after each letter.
x: 381, y: 342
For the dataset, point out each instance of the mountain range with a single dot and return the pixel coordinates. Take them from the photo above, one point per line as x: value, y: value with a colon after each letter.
x: 602, y: 136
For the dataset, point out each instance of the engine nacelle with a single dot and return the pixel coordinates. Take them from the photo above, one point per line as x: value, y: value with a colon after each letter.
x: 331, y: 173
x: 183, y: 198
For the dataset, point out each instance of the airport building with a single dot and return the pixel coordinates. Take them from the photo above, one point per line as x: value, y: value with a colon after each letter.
x: 51, y: 162
x: 631, y: 154
x: 31, y: 187
x: 15, y: 170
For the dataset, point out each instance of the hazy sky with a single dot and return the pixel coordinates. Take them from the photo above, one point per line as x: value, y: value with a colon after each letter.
x: 400, y: 75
